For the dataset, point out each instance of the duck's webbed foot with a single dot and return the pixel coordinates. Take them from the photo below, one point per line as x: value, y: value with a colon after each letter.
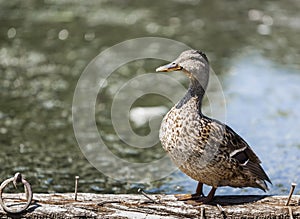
x: 204, y: 199
x: 196, y: 196
x: 186, y: 197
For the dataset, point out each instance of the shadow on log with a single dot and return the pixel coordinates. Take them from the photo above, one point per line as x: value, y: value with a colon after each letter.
x: 138, y: 206
x: 237, y: 199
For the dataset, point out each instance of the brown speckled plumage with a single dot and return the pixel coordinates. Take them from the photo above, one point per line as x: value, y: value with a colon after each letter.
x: 203, y: 148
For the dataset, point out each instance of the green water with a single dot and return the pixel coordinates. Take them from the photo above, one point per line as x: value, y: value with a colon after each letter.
x: 45, y: 45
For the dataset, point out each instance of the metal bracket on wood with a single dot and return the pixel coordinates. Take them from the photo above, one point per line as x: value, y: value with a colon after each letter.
x: 17, y: 179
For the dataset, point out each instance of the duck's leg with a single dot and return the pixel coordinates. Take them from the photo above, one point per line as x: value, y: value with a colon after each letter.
x: 197, y: 195
x: 209, y: 197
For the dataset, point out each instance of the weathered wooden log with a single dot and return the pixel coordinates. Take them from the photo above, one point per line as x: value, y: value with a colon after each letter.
x: 165, y: 206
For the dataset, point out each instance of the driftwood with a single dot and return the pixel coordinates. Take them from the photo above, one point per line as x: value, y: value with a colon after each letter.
x: 161, y: 206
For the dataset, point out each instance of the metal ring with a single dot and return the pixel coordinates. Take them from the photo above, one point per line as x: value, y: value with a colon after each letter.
x: 15, y: 180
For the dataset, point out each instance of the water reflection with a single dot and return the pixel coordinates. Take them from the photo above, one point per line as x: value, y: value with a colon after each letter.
x: 262, y: 104
x: 46, y: 45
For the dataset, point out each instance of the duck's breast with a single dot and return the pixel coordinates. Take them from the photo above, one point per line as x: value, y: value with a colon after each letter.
x: 180, y: 131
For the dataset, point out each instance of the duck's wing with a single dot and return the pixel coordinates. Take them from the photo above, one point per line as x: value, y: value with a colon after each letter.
x: 240, y: 151
x: 236, y: 150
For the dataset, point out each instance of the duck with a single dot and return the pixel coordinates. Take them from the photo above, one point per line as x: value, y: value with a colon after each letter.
x: 203, y: 148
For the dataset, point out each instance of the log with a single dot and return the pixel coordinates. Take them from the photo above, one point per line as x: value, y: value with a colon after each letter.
x: 63, y: 205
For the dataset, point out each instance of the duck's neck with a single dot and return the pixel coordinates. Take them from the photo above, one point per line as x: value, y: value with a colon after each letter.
x: 195, y: 90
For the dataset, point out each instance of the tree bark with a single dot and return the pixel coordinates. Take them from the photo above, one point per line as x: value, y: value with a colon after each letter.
x: 161, y: 206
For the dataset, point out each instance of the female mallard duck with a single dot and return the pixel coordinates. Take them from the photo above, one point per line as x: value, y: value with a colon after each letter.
x: 203, y: 148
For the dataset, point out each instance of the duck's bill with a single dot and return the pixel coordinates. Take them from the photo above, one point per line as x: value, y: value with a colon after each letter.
x: 169, y: 67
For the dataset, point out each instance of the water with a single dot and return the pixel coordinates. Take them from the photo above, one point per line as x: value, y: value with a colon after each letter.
x: 253, y: 48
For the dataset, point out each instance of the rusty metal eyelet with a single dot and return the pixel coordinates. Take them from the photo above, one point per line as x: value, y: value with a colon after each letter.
x: 16, y: 180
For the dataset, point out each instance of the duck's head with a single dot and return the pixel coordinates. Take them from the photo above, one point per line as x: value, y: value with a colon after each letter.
x: 193, y: 63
